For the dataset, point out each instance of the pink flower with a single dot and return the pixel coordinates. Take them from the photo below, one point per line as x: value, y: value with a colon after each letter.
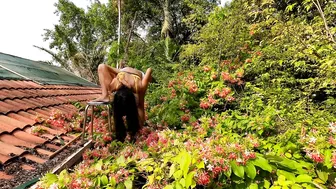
x: 204, y: 105
x: 333, y: 159
x: 206, y: 68
x: 232, y: 156
x: 203, y: 178
x: 216, y: 170
x: 316, y: 156
x: 185, y: 118
x: 230, y: 98
x: 104, y: 113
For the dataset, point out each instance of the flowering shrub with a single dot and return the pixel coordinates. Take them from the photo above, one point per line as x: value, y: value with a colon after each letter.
x: 208, y: 153
x: 251, y: 106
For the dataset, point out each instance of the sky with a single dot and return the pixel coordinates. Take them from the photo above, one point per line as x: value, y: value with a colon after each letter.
x: 22, y: 24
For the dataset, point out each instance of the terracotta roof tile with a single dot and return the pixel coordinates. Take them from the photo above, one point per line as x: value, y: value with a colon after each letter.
x: 3, y: 175
x: 36, y: 114
x: 4, y: 107
x: 10, y: 150
x: 4, y: 158
x: 27, y: 167
x: 10, y: 121
x: 21, y: 102
x: 44, y: 152
x: 6, y: 127
x: 66, y: 138
x: 21, y: 118
x: 28, y: 137
x: 27, y: 115
x: 10, y: 139
x: 34, y: 158
x: 52, y: 146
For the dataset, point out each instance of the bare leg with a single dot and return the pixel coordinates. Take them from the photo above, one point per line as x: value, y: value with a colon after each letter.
x: 106, y: 74
x: 141, y: 114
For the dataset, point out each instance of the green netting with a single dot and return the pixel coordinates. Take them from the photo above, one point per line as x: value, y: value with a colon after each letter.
x: 41, y: 72
x: 4, y: 74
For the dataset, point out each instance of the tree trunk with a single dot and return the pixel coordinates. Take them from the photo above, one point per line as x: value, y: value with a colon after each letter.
x: 119, y: 28
x: 129, y: 38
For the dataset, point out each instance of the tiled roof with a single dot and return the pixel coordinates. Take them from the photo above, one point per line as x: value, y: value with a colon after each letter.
x: 20, y: 103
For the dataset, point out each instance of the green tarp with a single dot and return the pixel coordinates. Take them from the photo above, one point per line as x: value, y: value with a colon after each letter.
x: 38, y: 71
x: 4, y: 74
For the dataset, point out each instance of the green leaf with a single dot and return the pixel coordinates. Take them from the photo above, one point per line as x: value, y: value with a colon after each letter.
x: 250, y: 170
x: 200, y: 165
x: 169, y: 187
x: 121, y: 160
x: 182, y: 182
x: 253, y: 186
x: 327, y: 157
x: 237, y: 170
x: 267, y: 184
x: 99, y: 165
x: 172, y: 170
x: 296, y: 186
x: 228, y: 172
x: 185, y: 162
x: 113, y: 181
x: 104, y: 180
x: 149, y: 169
x: 288, y: 175
x: 121, y: 186
x: 189, y: 179
x: 128, y: 183
x: 288, y: 155
x: 322, y: 175
x: 50, y: 178
x: 263, y: 164
x: 178, y: 175
x: 178, y: 185
x: 303, y: 178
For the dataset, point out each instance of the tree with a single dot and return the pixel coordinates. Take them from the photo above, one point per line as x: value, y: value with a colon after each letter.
x: 81, y: 38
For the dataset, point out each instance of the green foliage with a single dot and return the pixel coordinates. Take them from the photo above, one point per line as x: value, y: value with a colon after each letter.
x: 251, y: 104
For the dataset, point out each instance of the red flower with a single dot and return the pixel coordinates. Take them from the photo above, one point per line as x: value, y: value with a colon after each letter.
x: 240, y: 73
x: 75, y: 184
x: 248, y: 60
x: 214, y: 76
x: 216, y: 170
x: 230, y: 98
x: 232, y: 156
x: 204, y: 105
x: 107, y: 138
x: 206, y: 68
x: 333, y: 159
x: 211, y: 100
x: 226, y: 76
x: 173, y: 93
x: 216, y: 91
x: 226, y: 62
x: 163, y: 98
x: 332, y: 141
x: 317, y: 157
x: 203, y: 178
x: 193, y: 88
x: 171, y: 84
x: 104, y: 113
x: 185, y: 118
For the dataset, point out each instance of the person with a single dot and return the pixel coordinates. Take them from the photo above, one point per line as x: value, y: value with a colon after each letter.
x: 113, y: 79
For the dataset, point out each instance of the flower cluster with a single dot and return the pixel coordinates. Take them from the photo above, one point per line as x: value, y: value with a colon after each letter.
x: 38, y: 130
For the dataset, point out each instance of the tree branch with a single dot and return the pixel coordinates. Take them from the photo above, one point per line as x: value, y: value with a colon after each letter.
x: 319, y: 8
